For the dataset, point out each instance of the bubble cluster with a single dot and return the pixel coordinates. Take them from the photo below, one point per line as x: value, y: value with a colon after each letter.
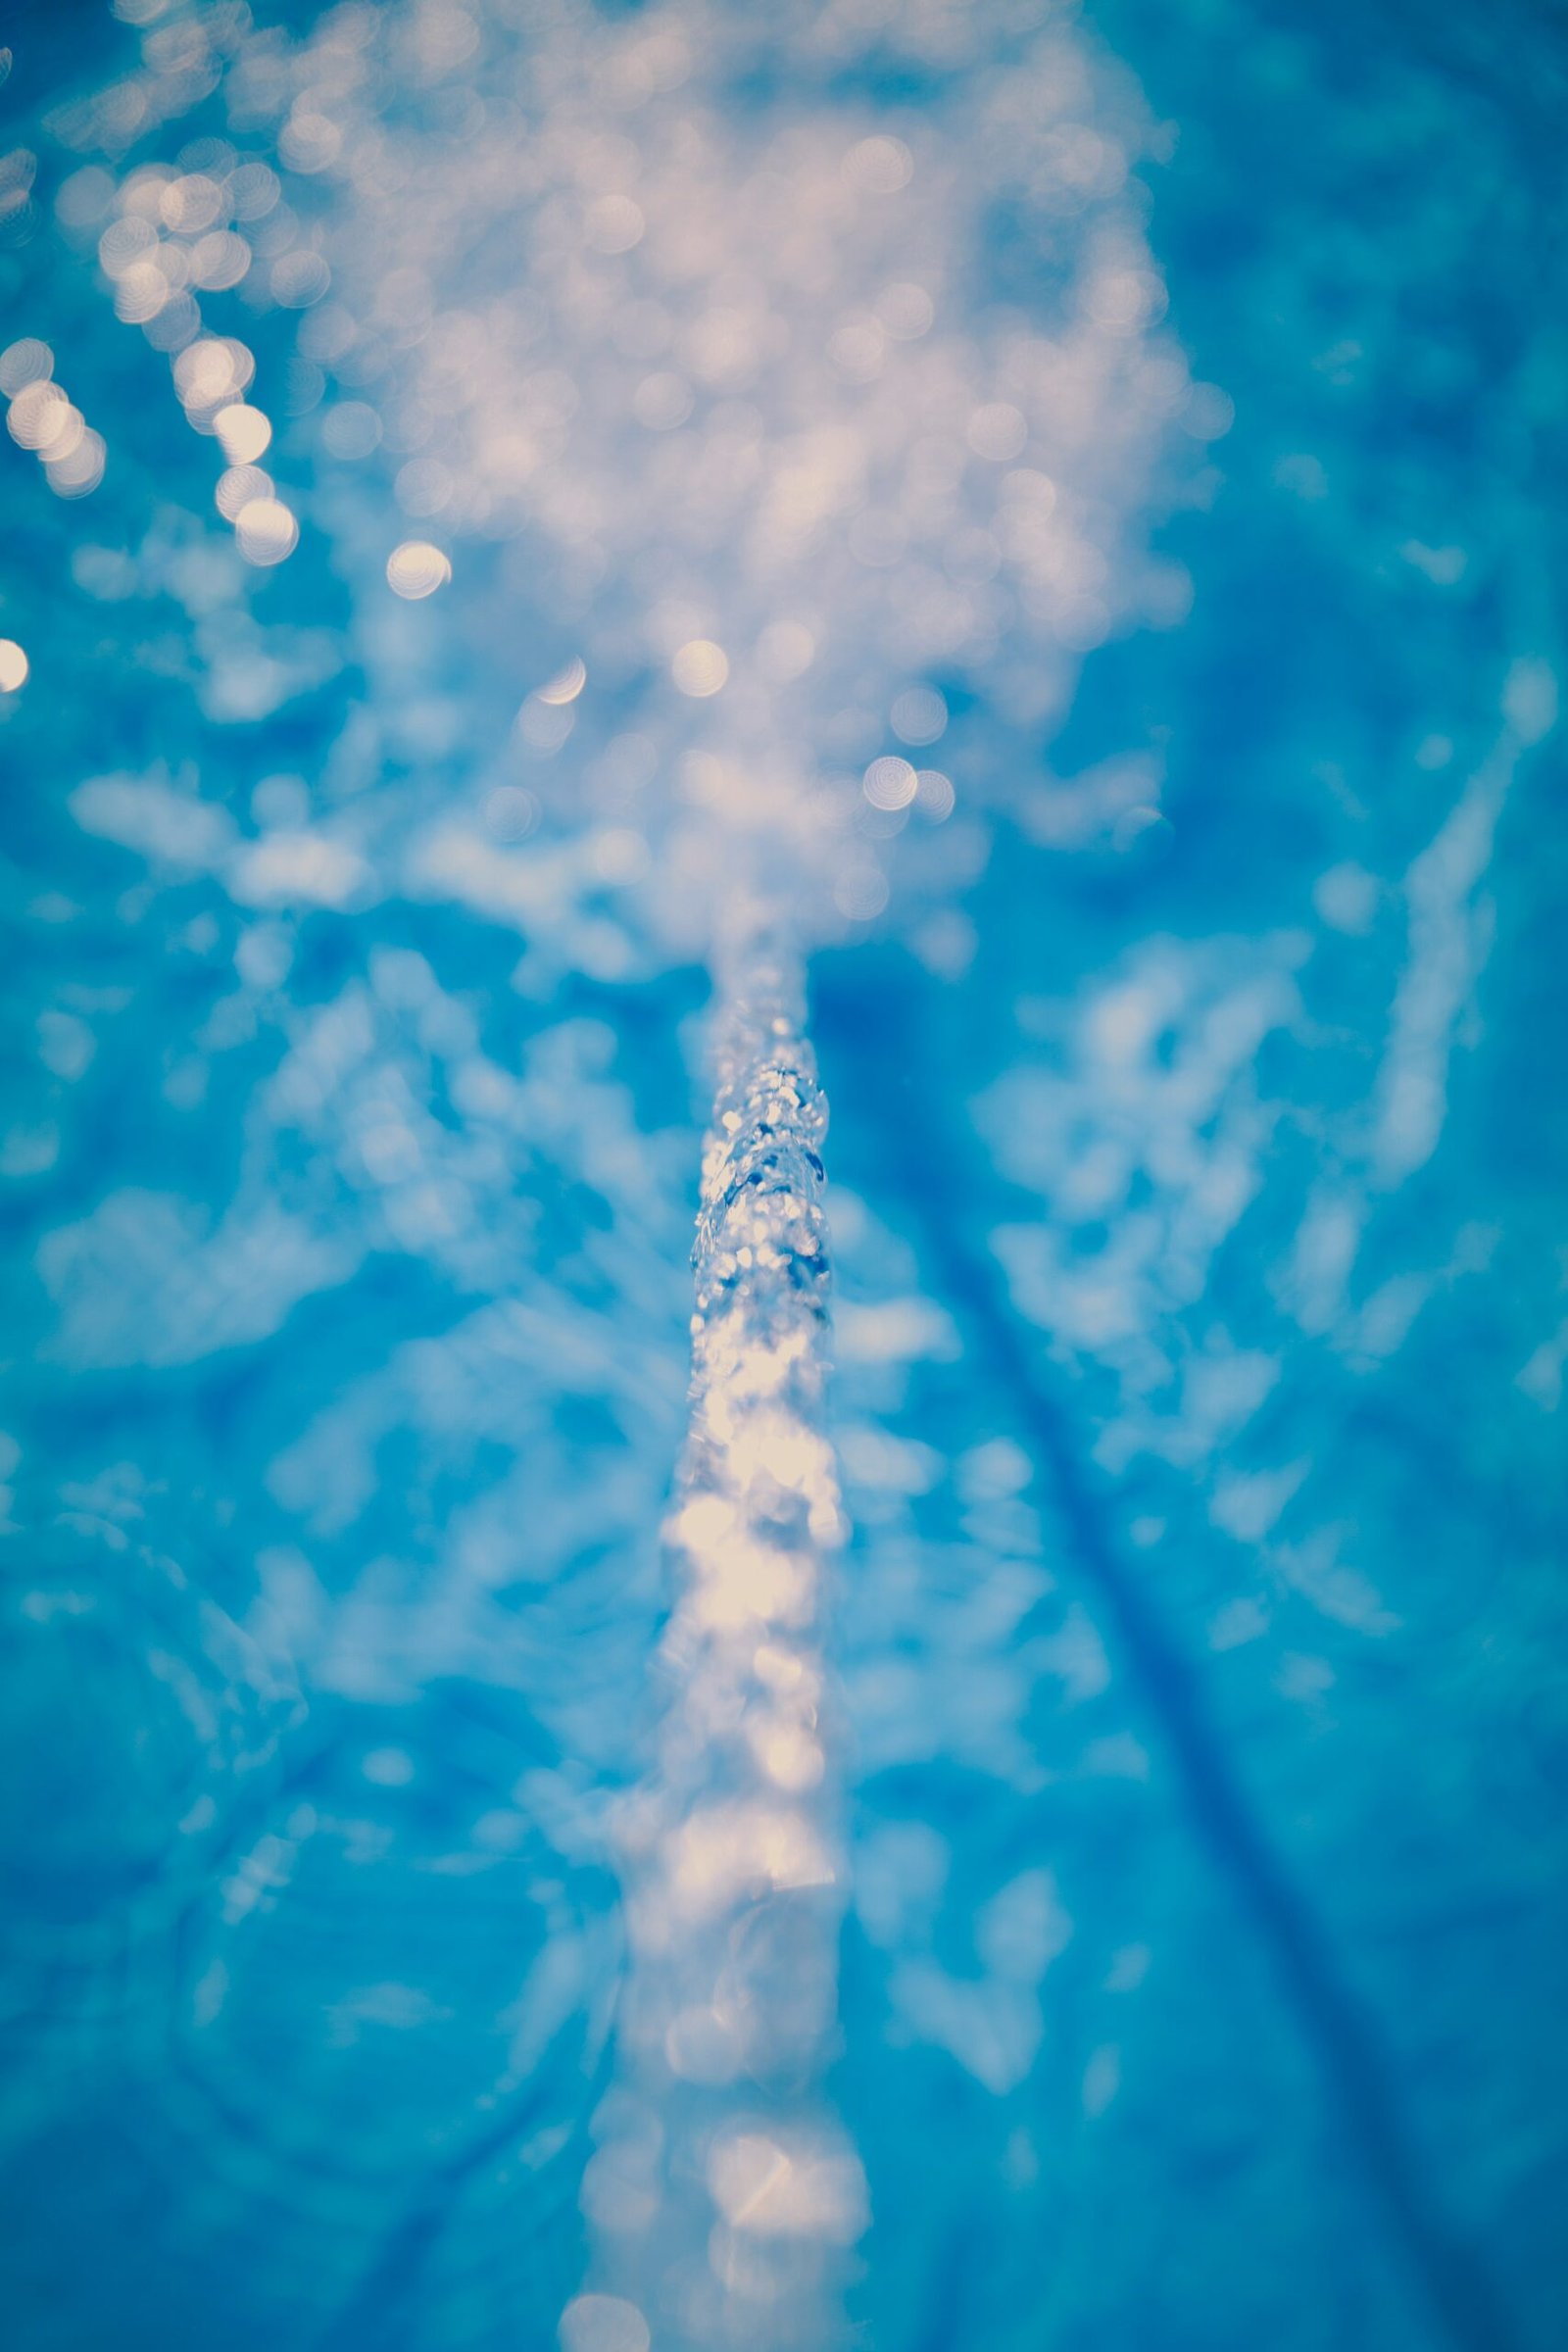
x: 723, y: 2190
x: 41, y: 419
x: 731, y: 381
x: 164, y: 236
x: 749, y: 392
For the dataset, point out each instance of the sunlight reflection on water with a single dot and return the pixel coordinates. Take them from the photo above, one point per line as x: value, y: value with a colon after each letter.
x: 1033, y: 1843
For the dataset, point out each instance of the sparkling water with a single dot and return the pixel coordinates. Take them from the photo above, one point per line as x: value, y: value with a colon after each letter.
x: 988, y: 1771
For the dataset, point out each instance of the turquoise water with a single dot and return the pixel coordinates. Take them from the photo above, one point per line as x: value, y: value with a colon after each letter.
x: 1187, y: 1731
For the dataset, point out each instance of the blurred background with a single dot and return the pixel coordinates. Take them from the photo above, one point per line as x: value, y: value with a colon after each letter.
x: 1070, y: 501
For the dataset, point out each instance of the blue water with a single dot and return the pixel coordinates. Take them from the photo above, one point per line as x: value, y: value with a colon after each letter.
x: 1193, y: 1710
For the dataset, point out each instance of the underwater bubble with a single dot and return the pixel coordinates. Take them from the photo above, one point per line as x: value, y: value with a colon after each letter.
x: 38, y: 415
x: 267, y: 531
x: 243, y: 433
x: 602, y: 2324
x: 920, y: 716
x: 934, y: 794
x: 26, y: 362
x: 699, y: 668
x: 890, y: 783
x: 80, y: 468
x: 237, y: 487
x: 351, y: 429
x: 417, y: 569
x: 565, y: 685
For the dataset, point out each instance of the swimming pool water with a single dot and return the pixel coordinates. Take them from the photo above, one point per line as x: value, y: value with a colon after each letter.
x: 1177, y: 1703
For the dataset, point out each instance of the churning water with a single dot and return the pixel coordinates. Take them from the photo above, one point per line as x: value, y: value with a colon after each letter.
x: 990, y: 1775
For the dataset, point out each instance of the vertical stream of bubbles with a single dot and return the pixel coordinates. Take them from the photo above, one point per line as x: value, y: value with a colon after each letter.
x: 725, y: 2194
